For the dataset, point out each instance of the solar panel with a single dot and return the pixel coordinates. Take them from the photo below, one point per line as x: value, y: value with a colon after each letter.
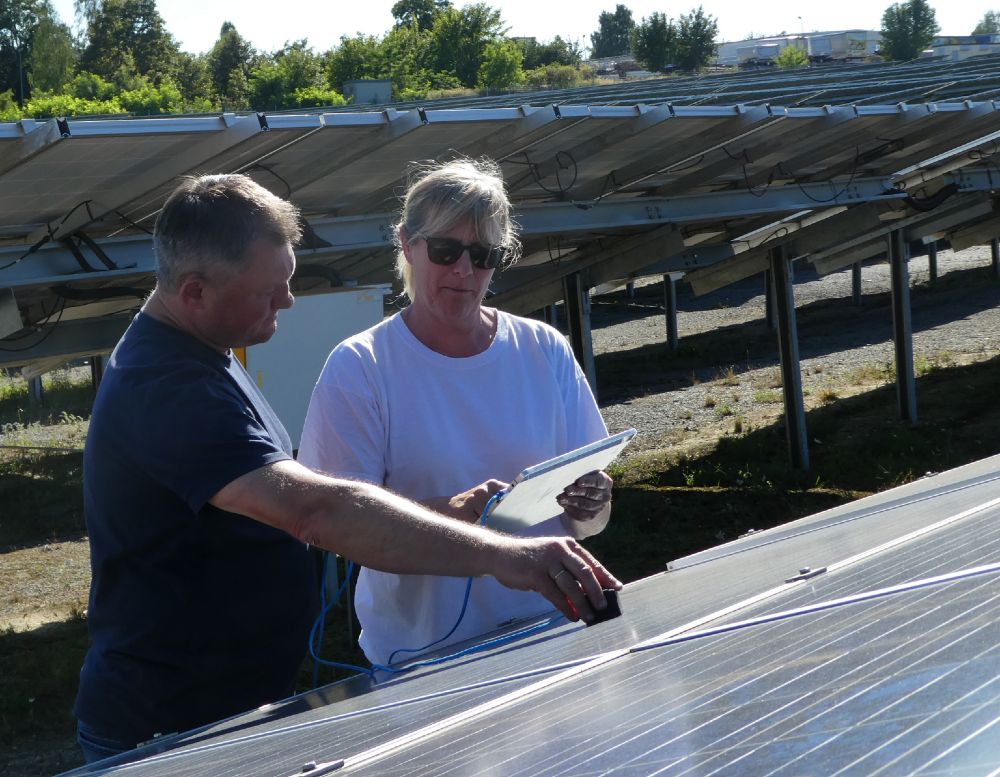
x: 885, y: 663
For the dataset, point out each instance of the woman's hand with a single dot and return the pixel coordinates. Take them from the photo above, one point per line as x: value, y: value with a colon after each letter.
x: 467, y: 506
x: 586, y: 504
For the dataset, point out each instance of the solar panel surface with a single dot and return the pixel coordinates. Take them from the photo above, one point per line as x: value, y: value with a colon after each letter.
x: 808, y: 677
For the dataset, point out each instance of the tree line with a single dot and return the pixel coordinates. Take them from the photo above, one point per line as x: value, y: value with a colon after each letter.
x: 122, y: 59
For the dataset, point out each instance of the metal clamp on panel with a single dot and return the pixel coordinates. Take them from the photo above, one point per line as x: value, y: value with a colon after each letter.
x: 805, y: 573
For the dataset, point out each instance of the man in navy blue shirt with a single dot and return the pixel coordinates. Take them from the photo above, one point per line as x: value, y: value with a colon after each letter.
x: 202, y: 590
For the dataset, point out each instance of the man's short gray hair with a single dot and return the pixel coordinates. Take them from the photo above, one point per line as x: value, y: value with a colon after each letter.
x: 442, y: 195
x: 208, y: 222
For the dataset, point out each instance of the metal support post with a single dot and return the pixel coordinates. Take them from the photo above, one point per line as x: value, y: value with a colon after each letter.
x: 788, y: 348
x: 35, y: 389
x: 932, y: 261
x: 770, y: 317
x: 856, y: 284
x: 577, y: 299
x: 902, y: 329
x: 995, y: 256
x: 630, y: 289
x: 550, y: 315
x: 670, y: 305
x: 96, y: 371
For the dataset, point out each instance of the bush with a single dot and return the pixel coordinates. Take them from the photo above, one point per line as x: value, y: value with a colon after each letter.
x: 557, y: 76
x: 149, y: 100
x: 90, y: 86
x: 52, y: 105
x: 9, y: 109
x: 317, y: 97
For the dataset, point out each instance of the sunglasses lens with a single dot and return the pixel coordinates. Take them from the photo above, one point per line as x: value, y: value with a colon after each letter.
x: 447, y: 250
x: 485, y: 257
x: 443, y: 250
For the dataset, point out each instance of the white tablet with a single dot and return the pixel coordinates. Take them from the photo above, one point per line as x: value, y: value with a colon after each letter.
x: 531, y: 497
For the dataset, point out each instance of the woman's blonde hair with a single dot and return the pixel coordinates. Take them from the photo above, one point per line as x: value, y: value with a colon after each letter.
x: 443, y: 194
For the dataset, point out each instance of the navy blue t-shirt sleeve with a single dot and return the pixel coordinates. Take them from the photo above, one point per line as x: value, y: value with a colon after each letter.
x: 200, y: 434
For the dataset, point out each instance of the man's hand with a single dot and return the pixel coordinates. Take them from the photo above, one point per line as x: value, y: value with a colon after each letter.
x: 586, y: 503
x: 560, y: 570
x: 469, y: 505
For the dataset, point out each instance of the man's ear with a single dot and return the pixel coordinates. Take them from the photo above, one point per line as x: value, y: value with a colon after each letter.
x: 191, y: 290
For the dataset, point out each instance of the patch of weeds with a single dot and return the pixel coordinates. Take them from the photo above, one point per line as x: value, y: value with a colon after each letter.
x: 866, y: 374
x: 738, y: 425
x: 724, y: 411
x: 728, y: 377
x: 767, y: 397
x: 710, y: 401
x: 922, y: 365
x: 827, y: 395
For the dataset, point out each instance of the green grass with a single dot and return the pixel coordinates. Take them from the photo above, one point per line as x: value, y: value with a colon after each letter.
x: 668, y: 506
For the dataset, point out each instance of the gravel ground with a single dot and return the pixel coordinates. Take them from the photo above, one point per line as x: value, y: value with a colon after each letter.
x: 726, y: 375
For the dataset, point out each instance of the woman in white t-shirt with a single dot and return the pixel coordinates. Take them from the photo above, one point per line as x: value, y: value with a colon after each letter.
x: 447, y: 401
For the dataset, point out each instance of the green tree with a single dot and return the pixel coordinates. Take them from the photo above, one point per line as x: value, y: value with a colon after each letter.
x: 613, y: 35
x: 90, y: 86
x: 990, y: 23
x: 501, y: 66
x: 128, y: 33
x: 555, y: 52
x: 18, y: 21
x: 193, y: 79
x: 276, y: 80
x: 907, y: 29
x: 791, y: 57
x: 419, y: 13
x: 53, y: 57
x: 696, y: 33
x: 230, y: 63
x: 460, y: 38
x: 407, y: 60
x: 354, y: 58
x: 654, y: 42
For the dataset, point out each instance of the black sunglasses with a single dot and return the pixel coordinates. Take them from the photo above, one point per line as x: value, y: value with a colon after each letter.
x: 448, y: 250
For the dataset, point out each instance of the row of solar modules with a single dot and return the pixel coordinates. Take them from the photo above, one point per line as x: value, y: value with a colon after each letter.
x: 919, y: 81
x: 881, y: 658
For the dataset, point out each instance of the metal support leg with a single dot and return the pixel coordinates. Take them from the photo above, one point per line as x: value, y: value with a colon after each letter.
x: 35, y: 389
x: 549, y: 316
x: 96, y: 371
x: 577, y: 299
x: 670, y: 305
x: 630, y: 289
x: 788, y: 347
x: 932, y: 261
x: 995, y: 256
x: 902, y: 330
x: 856, y: 284
x: 770, y: 317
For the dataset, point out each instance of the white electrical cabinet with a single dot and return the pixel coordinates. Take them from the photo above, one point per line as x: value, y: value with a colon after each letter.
x: 286, y: 366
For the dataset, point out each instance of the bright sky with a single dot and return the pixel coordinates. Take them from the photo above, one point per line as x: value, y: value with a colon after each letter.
x: 268, y: 25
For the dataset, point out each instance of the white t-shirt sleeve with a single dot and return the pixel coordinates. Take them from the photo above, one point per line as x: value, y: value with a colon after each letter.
x: 344, y: 430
